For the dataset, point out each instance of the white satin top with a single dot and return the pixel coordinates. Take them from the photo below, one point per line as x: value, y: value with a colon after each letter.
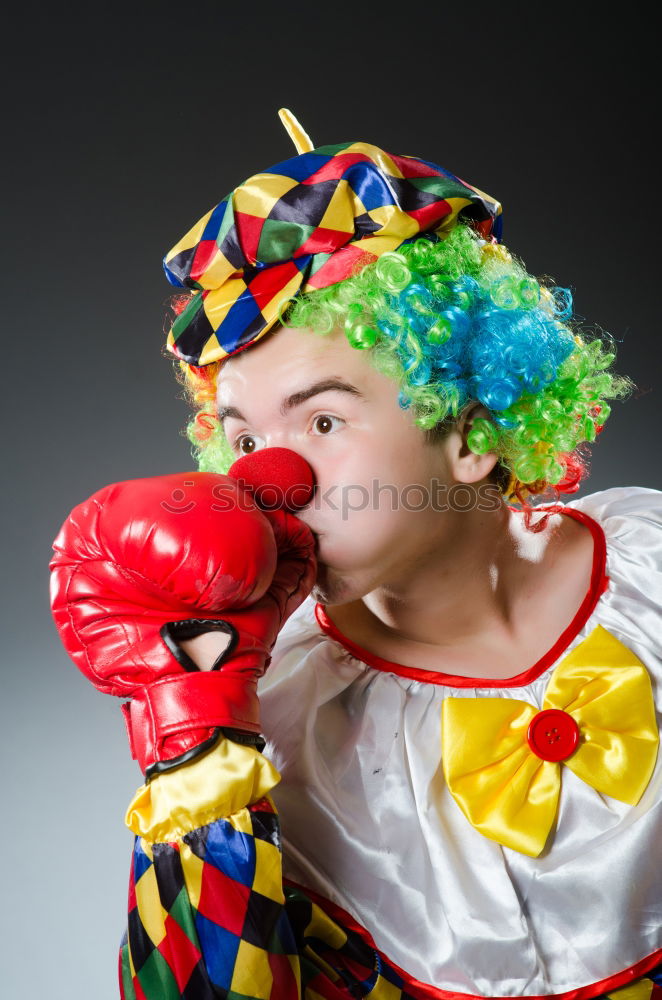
x: 368, y: 822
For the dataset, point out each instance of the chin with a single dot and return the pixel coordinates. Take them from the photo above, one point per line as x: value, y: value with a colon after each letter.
x: 334, y: 586
x: 330, y: 587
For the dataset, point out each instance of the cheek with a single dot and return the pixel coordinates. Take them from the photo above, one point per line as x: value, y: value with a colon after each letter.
x: 359, y: 538
x: 369, y: 525
x: 368, y: 465
x: 365, y: 504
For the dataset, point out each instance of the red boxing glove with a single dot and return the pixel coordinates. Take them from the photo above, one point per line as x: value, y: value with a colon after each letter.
x: 145, y: 563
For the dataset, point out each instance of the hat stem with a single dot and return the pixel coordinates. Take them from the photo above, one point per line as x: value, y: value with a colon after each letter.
x: 297, y: 134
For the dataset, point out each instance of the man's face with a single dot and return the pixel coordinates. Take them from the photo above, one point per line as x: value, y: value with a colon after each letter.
x: 323, y: 399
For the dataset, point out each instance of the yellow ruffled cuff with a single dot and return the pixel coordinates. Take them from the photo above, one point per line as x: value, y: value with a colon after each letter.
x: 227, y: 779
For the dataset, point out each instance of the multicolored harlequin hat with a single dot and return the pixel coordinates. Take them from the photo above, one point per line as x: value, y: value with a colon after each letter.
x: 303, y: 224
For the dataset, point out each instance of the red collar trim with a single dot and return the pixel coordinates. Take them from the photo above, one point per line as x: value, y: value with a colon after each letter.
x: 599, y: 583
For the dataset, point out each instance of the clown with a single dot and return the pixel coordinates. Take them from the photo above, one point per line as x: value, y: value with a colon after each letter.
x: 400, y: 737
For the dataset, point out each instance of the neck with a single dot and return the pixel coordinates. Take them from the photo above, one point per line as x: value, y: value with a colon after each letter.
x: 466, y: 587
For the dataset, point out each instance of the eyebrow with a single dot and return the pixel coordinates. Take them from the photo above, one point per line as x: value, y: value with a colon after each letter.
x: 297, y: 398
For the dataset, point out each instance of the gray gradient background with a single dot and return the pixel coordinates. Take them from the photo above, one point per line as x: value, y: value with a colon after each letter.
x: 122, y: 125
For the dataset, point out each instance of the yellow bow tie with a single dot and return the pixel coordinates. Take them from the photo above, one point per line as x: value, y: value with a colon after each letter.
x: 502, y: 757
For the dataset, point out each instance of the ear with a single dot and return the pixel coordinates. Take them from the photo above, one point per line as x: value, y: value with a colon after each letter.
x: 465, y: 465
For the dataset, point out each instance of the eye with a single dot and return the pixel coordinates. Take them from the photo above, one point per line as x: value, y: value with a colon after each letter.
x: 246, y: 444
x: 324, y: 423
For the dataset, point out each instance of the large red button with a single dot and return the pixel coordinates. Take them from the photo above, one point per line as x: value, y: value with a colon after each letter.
x: 553, y: 735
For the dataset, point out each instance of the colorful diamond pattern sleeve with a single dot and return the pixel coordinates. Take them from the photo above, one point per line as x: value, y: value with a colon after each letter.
x: 209, y: 916
x: 206, y: 914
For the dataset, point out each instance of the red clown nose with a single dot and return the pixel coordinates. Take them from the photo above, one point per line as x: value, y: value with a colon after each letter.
x: 277, y: 478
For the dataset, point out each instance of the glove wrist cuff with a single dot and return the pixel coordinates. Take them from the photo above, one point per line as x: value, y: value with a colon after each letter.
x: 180, y: 716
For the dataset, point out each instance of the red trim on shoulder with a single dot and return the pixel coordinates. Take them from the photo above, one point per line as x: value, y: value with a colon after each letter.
x: 597, y: 586
x: 424, y: 991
